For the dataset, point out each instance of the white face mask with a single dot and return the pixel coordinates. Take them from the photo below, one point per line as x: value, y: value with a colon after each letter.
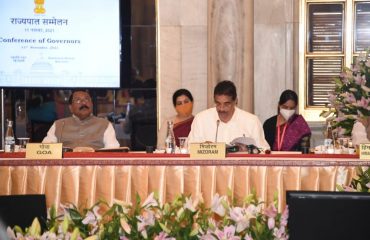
x: 286, y: 113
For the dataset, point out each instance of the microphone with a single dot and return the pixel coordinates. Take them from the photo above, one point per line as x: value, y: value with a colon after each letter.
x: 218, y: 123
x: 61, y: 132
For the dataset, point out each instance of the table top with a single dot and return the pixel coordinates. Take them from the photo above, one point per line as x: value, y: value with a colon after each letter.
x: 154, y: 159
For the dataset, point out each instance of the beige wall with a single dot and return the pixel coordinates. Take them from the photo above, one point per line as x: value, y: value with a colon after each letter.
x: 183, y: 51
x: 182, y: 57
x: 275, y: 45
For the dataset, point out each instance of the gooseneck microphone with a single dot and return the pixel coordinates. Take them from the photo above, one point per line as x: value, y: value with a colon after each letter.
x: 61, y: 132
x: 218, y: 123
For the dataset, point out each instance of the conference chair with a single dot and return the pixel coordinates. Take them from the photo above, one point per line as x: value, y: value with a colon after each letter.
x: 22, y: 209
x: 39, y: 130
x: 144, y: 133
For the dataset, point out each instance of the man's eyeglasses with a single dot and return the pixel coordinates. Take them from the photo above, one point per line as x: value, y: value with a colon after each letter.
x: 80, y: 100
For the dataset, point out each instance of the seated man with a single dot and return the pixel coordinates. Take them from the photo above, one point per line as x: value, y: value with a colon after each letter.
x: 225, y: 122
x: 82, y: 129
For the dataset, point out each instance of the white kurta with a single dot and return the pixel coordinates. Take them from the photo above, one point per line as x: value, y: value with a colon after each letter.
x: 241, y: 124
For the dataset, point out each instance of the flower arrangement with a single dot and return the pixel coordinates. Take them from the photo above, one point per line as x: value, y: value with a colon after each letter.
x: 184, y: 218
x: 360, y: 183
x: 350, y: 100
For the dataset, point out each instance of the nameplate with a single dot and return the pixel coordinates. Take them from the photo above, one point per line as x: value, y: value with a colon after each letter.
x: 364, y: 151
x: 44, y: 150
x: 207, y: 150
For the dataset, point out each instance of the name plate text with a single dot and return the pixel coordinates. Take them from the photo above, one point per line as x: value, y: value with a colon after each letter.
x: 207, y: 150
x: 364, y: 151
x: 44, y: 150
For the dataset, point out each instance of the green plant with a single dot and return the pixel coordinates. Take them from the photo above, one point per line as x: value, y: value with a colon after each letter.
x: 350, y: 100
x: 181, y: 219
x: 360, y: 183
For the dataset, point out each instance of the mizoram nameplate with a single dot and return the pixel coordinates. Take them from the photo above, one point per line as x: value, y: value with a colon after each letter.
x: 207, y: 150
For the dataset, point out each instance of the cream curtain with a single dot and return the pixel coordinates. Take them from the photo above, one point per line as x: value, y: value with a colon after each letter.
x: 84, y: 181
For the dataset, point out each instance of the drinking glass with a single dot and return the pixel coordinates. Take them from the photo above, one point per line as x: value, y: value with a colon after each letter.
x: 183, y: 141
x: 23, y: 143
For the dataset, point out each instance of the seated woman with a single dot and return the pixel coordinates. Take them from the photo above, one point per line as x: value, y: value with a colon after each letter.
x: 183, y: 103
x: 287, y: 131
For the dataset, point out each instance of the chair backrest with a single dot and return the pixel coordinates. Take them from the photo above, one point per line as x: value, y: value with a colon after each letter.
x: 22, y: 209
x: 39, y: 130
x: 144, y: 133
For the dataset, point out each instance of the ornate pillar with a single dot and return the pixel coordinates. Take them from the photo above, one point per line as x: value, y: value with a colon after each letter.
x: 230, y: 44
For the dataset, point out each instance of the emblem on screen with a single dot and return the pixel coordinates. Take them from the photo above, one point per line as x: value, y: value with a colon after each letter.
x: 39, y: 7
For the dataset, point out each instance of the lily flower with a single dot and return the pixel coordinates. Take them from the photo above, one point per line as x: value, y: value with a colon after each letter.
x: 208, y: 236
x: 241, y: 217
x: 227, y: 234
x: 125, y: 226
x: 366, y: 89
x: 217, y: 206
x: 189, y: 204
x: 284, y: 217
x: 90, y: 218
x: 150, y: 201
x: 248, y: 237
x: 147, y: 219
x: 163, y: 236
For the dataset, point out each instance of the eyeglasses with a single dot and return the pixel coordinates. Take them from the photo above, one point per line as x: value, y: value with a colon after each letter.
x: 80, y: 100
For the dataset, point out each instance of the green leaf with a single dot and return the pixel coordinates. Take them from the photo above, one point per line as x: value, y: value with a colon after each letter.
x: 340, y: 188
x: 52, y: 212
x: 18, y: 229
x: 65, y: 224
x: 194, y: 232
x: 35, y: 229
x: 166, y: 208
x: 138, y: 199
x: 94, y: 237
x: 75, y: 215
x: 164, y: 228
x: 358, y: 188
x: 75, y: 234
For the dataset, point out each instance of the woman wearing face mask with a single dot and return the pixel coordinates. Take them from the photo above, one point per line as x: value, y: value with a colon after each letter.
x: 183, y: 102
x: 287, y: 130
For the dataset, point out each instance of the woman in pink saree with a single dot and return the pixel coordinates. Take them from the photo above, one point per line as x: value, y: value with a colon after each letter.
x: 183, y: 102
x: 287, y: 131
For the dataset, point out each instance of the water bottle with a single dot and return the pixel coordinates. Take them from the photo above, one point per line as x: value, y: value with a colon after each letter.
x: 9, y: 138
x: 329, y: 131
x: 128, y: 108
x: 329, y: 139
x: 170, y: 139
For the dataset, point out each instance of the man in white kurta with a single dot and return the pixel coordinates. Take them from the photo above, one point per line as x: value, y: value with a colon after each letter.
x: 241, y: 124
x: 225, y: 122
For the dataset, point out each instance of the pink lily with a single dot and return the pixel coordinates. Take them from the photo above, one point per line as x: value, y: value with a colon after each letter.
x: 163, y: 236
x: 217, y: 206
x: 227, y: 234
